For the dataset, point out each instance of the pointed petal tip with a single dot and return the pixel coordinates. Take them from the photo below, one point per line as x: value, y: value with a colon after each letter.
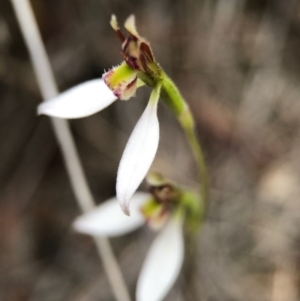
x: 126, y: 211
x: 79, y: 225
x: 124, y: 204
x: 43, y: 109
x: 114, y: 22
x: 76, y: 225
x: 130, y: 20
x: 130, y: 25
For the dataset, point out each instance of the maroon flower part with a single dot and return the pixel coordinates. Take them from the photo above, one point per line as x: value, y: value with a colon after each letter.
x: 136, y: 51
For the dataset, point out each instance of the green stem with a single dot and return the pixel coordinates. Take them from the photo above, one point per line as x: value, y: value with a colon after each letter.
x: 174, y: 100
x: 199, y: 156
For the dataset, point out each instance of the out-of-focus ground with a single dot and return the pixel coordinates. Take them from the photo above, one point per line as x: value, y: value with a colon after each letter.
x: 237, y: 63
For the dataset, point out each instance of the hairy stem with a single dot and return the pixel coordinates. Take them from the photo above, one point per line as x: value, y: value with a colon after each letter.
x: 48, y: 87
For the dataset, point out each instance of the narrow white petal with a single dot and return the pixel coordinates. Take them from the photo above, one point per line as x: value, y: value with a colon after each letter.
x: 109, y: 220
x: 139, y: 152
x: 130, y: 26
x: 80, y: 101
x: 162, y: 265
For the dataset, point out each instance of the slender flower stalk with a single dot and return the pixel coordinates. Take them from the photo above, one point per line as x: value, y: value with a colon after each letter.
x: 78, y: 181
x: 174, y: 100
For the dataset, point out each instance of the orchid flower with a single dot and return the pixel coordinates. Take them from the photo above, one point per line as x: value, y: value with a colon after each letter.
x: 138, y: 68
x: 163, y: 210
x: 165, y: 256
x: 166, y: 209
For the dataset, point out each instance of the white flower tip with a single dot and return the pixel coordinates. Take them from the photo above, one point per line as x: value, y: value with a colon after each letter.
x: 114, y: 23
x: 79, y: 226
x: 130, y: 25
x: 126, y: 211
x: 43, y: 108
x: 124, y: 204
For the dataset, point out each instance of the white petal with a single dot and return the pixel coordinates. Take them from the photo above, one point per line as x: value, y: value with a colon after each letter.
x: 109, y: 220
x: 139, y: 152
x: 130, y: 26
x: 80, y: 101
x: 162, y: 265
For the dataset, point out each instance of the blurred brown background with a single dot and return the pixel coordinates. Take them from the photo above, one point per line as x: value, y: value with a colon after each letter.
x: 237, y: 64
